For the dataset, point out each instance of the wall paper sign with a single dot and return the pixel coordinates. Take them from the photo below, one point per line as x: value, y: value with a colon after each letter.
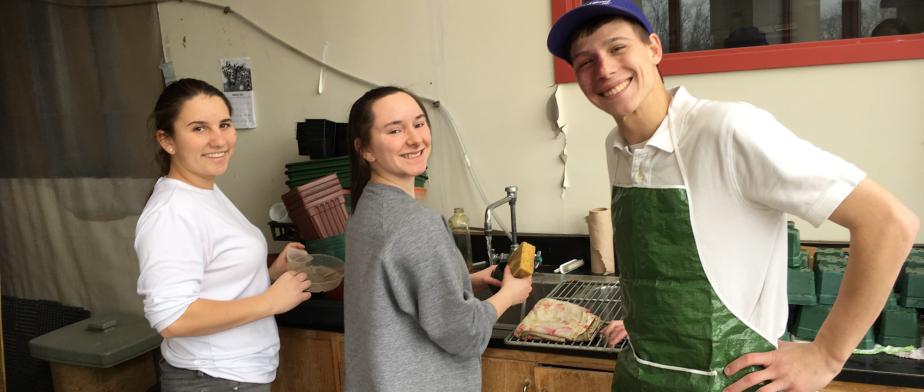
x: 237, y: 83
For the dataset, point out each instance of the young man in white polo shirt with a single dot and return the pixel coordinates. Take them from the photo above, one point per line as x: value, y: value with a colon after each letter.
x: 700, y: 189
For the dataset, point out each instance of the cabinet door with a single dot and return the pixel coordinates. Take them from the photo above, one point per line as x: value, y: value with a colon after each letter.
x: 507, y: 375
x: 308, y: 361
x: 840, y: 386
x: 553, y: 379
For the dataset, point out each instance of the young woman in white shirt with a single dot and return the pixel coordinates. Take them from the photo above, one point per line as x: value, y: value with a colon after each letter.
x: 204, y: 280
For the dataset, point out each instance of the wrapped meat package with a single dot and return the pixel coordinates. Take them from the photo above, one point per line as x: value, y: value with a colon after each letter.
x: 558, y: 321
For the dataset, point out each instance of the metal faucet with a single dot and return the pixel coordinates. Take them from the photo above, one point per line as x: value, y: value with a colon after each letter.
x: 511, y: 198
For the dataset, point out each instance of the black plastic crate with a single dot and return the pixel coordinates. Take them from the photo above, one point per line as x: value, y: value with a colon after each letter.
x: 342, y: 144
x: 317, y: 138
x: 284, y: 231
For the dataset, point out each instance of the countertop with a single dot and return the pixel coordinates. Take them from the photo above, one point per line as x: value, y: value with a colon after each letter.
x: 879, y: 369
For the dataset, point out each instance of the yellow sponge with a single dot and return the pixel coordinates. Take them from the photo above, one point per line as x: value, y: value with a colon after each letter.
x: 522, y: 260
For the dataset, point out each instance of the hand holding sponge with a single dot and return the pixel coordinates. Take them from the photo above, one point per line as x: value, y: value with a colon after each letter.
x: 522, y: 260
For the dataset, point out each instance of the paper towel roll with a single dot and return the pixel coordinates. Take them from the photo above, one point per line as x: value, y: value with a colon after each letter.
x: 600, y: 227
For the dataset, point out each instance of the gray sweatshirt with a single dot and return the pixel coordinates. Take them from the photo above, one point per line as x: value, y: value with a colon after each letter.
x: 411, y: 320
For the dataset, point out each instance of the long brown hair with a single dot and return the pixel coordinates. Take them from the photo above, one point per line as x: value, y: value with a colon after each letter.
x: 358, y: 127
x: 168, y: 107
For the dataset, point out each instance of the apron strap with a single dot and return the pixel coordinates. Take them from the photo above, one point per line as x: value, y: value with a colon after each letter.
x: 711, y: 373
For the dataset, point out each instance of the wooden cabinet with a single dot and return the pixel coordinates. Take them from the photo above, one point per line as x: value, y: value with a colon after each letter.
x: 309, y: 361
x: 550, y: 379
x: 506, y: 370
x: 507, y: 374
x: 313, y: 361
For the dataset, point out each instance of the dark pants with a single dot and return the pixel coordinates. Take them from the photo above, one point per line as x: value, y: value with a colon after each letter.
x: 174, y: 379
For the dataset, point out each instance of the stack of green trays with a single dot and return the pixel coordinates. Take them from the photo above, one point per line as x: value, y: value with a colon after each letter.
x: 301, y: 173
x: 829, y: 272
x: 333, y: 246
x: 898, y: 326
x: 809, y: 322
x: 910, y: 285
x: 801, y: 283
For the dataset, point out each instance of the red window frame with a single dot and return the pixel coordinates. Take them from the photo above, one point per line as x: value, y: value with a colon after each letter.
x: 842, y: 51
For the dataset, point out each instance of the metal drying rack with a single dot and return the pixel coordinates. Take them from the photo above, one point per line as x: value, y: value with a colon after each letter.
x: 604, y: 299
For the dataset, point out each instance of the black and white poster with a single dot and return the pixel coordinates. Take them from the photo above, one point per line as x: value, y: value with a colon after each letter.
x: 237, y: 83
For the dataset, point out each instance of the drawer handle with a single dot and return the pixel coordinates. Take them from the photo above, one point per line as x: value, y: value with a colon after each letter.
x: 526, y: 385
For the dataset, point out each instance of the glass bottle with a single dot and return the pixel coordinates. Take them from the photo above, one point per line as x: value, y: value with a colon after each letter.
x: 458, y: 224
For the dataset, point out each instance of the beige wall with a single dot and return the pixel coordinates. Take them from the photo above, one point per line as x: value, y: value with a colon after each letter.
x: 486, y: 62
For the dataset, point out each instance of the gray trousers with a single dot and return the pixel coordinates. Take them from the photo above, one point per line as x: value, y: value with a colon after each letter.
x: 174, y: 379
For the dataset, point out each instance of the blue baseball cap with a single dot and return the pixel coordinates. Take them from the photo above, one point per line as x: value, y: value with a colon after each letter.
x: 559, y: 42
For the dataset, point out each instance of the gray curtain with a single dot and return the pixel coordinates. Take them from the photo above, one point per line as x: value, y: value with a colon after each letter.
x: 76, y: 156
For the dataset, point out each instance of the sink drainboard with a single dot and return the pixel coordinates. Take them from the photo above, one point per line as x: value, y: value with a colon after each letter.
x: 604, y: 299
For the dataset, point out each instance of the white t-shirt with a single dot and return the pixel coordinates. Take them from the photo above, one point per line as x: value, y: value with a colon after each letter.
x: 194, y: 243
x: 743, y: 170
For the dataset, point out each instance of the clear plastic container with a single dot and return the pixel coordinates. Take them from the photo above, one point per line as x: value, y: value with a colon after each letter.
x: 324, y: 271
x: 458, y: 224
x: 297, y: 259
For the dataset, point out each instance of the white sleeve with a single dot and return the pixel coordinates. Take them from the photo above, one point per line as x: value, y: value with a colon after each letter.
x: 775, y: 168
x: 171, y: 253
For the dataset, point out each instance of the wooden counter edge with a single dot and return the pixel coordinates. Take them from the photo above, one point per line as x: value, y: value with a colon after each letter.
x: 574, y: 361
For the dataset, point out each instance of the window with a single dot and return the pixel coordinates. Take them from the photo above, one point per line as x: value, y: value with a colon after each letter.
x: 701, y: 36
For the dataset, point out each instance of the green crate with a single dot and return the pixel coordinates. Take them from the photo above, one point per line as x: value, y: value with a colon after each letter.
x: 810, y: 320
x: 898, y: 326
x: 836, y: 252
x: 829, y: 272
x: 827, y: 284
x: 334, y: 246
x: 792, y: 240
x: 918, y: 253
x: 868, y: 342
x: 799, y: 261
x: 910, y: 286
x: 801, y: 286
x: 320, y: 163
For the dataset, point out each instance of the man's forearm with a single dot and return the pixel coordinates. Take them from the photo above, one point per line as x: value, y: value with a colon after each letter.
x: 882, y: 231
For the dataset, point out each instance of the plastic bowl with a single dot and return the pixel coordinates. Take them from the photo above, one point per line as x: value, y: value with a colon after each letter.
x: 324, y: 271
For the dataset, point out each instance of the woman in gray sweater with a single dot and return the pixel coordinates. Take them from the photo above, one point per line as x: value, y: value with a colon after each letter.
x: 411, y: 319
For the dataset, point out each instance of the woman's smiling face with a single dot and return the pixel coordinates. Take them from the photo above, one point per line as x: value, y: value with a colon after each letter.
x: 202, y: 142
x: 399, y: 140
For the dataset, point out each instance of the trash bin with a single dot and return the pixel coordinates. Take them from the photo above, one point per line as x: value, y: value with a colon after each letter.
x: 107, y: 353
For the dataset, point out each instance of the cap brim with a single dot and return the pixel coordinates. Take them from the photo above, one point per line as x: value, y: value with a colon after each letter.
x: 559, y: 41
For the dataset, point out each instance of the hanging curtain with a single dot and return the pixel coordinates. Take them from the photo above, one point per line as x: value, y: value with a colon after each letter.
x: 76, y: 155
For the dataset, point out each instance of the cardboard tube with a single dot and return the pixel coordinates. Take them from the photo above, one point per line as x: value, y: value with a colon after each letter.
x: 600, y: 227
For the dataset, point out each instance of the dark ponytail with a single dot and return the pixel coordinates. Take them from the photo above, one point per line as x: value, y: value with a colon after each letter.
x: 360, y: 123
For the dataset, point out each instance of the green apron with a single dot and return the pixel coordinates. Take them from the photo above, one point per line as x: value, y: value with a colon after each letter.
x: 681, y: 336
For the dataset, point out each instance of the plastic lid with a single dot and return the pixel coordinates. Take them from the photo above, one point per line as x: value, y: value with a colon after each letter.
x: 324, y: 271
x: 99, y: 342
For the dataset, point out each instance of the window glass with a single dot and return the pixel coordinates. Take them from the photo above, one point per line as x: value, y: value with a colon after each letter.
x: 717, y: 24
